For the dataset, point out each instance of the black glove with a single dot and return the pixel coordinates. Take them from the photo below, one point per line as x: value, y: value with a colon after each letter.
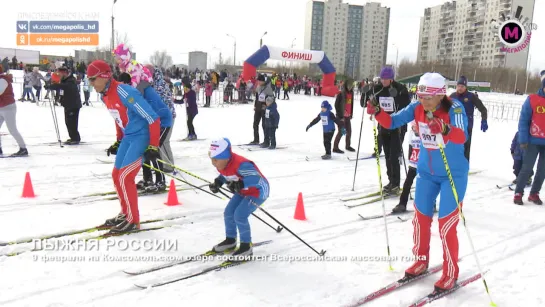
x: 151, y: 153
x: 215, y: 186
x: 113, y: 149
x: 235, y: 186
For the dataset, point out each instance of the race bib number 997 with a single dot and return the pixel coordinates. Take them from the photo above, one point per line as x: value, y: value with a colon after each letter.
x: 429, y: 140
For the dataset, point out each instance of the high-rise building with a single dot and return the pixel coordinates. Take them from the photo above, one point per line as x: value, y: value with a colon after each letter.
x: 354, y: 37
x: 197, y: 60
x: 462, y: 32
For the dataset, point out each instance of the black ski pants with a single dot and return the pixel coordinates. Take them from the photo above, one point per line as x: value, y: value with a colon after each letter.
x: 391, y: 143
x: 328, y: 136
x: 258, y: 114
x: 159, y: 176
x: 71, y: 119
x: 411, y: 174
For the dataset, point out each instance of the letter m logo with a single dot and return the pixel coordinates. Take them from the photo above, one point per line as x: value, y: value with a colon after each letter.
x: 509, y: 33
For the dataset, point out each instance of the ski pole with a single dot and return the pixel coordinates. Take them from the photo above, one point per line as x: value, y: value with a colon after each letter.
x: 278, y: 229
x: 321, y: 253
x: 358, y: 153
x: 403, y: 158
x: 382, y: 194
x: 189, y: 173
x: 181, y: 180
x: 55, y: 123
x: 429, y: 115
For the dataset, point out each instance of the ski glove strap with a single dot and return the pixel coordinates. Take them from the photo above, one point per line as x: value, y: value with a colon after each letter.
x: 215, y: 186
x: 113, y: 149
x: 151, y: 153
x: 236, y: 186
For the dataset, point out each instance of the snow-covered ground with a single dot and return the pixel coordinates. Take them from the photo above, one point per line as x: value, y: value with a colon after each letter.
x: 508, y: 238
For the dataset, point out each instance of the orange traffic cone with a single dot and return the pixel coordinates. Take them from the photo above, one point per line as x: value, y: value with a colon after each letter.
x: 28, y: 190
x: 172, y: 195
x: 300, y: 209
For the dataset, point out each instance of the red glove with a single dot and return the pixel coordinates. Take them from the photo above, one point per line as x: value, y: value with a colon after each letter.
x: 437, y: 126
x: 372, y: 109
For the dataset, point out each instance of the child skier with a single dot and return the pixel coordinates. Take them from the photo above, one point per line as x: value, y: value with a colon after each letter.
x: 518, y: 154
x: 328, y: 124
x: 250, y: 189
x: 270, y: 121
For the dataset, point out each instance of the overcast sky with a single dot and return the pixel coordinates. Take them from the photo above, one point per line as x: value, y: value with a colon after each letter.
x: 183, y: 26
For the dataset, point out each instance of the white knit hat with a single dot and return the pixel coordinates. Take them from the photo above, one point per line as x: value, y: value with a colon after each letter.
x: 431, y: 83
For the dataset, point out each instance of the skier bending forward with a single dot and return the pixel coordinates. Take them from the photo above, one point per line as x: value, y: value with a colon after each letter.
x: 447, y: 127
x: 138, y: 128
x: 250, y: 189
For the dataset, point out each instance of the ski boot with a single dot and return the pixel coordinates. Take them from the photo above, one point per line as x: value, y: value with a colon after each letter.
x: 161, y: 186
x: 534, y: 198
x: 225, y: 246
x: 337, y: 150
x: 152, y: 188
x: 142, y: 185
x: 243, y: 253
x: 264, y: 145
x: 350, y: 149
x: 326, y: 157
x: 192, y: 137
x: 123, y: 227
x: 418, y: 268
x: 254, y: 142
x: 272, y: 146
x: 400, y: 208
x: 71, y: 142
x: 518, y: 199
x: 445, y: 283
x: 114, y: 221
x: 23, y: 152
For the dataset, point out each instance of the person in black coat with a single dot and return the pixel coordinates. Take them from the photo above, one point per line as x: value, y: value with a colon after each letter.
x: 392, y: 140
x: 70, y: 99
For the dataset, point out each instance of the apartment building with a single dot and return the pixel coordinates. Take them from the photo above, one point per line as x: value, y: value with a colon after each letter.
x: 462, y: 32
x: 354, y: 37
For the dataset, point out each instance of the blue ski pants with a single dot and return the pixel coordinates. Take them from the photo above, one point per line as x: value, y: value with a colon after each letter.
x: 236, y: 216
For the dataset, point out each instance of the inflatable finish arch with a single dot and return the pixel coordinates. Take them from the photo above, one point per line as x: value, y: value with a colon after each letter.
x: 286, y: 54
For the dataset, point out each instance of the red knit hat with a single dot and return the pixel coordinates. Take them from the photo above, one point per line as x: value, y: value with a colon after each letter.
x: 99, y: 69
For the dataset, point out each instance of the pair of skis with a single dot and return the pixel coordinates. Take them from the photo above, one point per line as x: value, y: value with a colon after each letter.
x: 172, y: 279
x: 364, y: 158
x: 435, y: 295
x: 84, y: 231
x: 375, y: 197
x: 378, y: 216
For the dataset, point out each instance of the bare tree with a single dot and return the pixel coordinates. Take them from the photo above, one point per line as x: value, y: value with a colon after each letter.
x: 122, y: 38
x: 505, y: 80
x: 161, y: 59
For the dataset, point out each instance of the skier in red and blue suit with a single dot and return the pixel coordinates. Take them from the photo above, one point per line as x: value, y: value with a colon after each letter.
x: 138, y: 129
x: 440, y: 121
x: 250, y: 189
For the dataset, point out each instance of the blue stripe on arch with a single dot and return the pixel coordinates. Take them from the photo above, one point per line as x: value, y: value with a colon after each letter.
x: 326, y: 66
x: 259, y: 57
